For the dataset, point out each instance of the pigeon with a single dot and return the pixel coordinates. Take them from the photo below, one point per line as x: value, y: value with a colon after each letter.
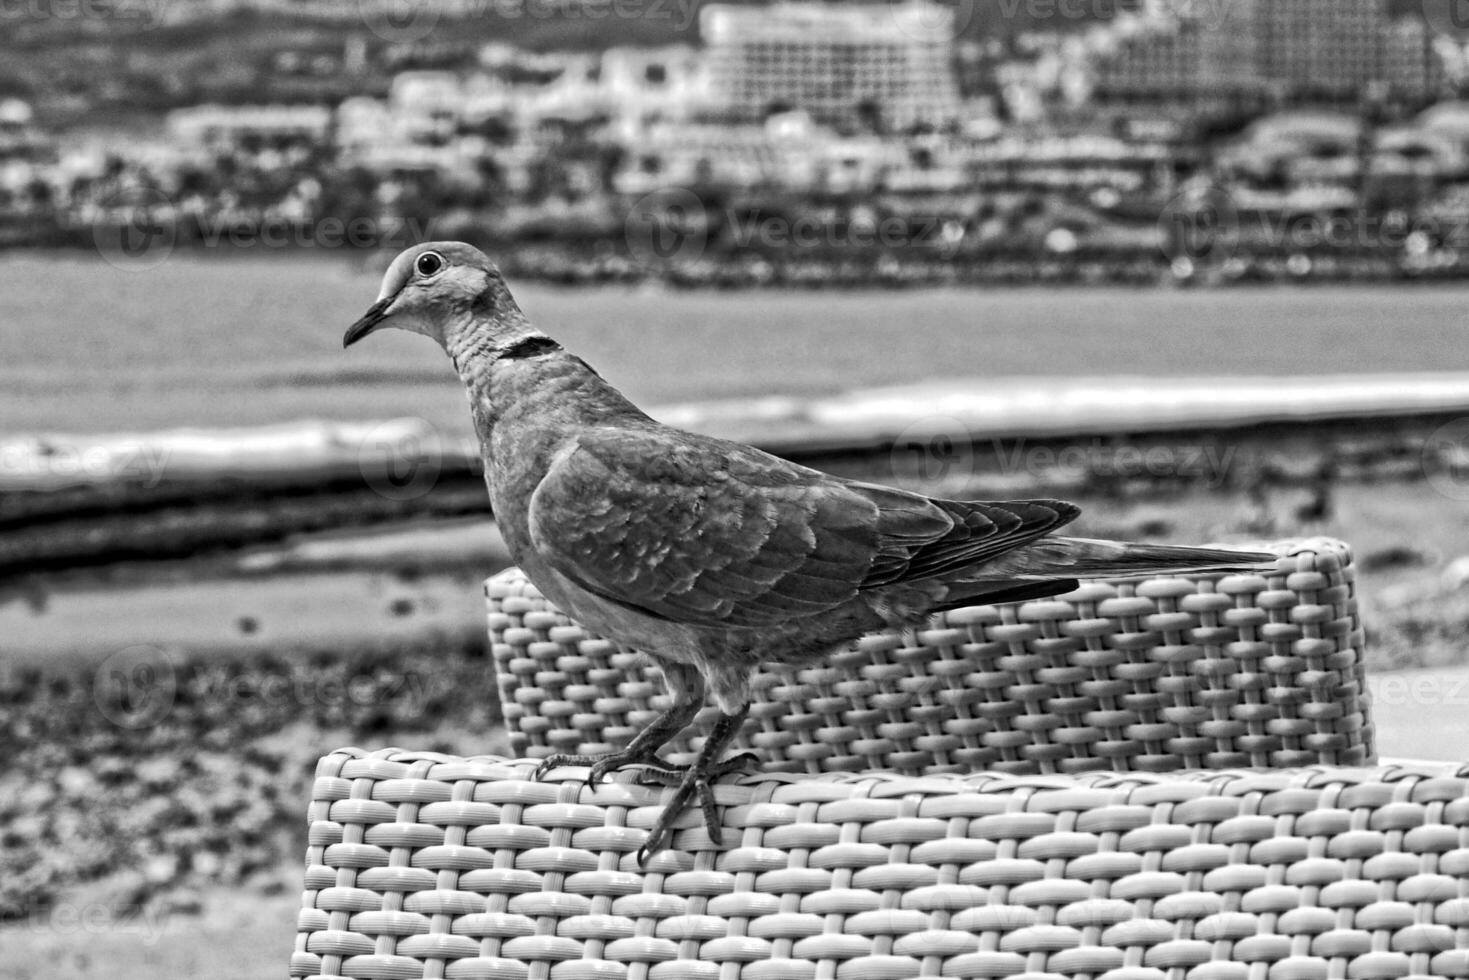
x: 710, y: 556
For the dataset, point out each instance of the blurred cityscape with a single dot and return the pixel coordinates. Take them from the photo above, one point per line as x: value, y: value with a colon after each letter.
x: 800, y: 142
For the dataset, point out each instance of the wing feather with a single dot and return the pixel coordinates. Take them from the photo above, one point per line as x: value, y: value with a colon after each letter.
x: 707, y: 532
x: 697, y: 530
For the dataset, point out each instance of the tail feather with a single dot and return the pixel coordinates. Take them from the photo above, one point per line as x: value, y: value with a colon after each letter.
x: 1085, y: 558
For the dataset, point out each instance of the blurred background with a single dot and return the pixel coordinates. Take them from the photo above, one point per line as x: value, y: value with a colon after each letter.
x: 1200, y: 265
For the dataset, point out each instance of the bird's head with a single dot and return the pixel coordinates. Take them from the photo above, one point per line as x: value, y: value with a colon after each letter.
x: 441, y: 290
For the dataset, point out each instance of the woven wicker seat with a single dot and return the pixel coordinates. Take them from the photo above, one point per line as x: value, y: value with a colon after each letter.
x: 423, y: 865
x: 1112, y: 832
x: 1157, y: 675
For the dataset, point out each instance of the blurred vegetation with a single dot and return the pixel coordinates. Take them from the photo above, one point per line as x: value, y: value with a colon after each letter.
x: 156, y: 771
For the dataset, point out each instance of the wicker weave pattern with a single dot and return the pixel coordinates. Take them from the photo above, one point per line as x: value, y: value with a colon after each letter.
x: 423, y: 865
x: 1160, y: 675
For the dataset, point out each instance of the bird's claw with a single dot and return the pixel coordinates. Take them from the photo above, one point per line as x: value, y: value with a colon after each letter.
x: 666, y: 775
x: 603, y: 766
x: 555, y: 762
x: 690, y: 781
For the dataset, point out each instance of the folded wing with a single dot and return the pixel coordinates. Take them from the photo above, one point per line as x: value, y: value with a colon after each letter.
x: 712, y: 533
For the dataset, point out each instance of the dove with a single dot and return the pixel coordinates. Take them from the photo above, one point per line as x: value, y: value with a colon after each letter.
x: 710, y: 556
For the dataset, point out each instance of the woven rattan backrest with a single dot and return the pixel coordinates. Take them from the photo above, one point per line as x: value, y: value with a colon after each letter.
x: 1261, y: 670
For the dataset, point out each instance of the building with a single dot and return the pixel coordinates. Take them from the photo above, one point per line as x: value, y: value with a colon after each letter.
x: 1412, y: 68
x: 878, y: 66
x: 653, y: 83
x: 1175, y: 59
x: 1327, y: 48
x: 1297, y: 50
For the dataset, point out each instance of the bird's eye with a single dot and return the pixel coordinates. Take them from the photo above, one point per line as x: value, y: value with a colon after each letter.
x: 429, y: 264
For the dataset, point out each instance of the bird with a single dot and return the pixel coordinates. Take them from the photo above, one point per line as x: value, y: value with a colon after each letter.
x: 712, y: 557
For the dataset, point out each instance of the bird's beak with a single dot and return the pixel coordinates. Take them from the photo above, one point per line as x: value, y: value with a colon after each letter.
x: 369, y: 322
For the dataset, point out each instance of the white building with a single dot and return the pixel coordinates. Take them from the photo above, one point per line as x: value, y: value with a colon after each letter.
x: 888, y: 65
x: 654, y: 83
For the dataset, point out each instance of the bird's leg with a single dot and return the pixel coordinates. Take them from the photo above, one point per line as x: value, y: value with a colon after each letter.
x: 686, y: 687
x: 699, y: 780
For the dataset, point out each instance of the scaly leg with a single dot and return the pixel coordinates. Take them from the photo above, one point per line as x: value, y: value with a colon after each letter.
x: 699, y: 780
x: 686, y: 687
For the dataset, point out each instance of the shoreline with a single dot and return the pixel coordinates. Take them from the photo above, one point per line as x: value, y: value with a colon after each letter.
x: 78, y: 502
x: 859, y: 271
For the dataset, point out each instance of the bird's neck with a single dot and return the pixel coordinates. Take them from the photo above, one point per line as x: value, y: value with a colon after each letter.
x: 516, y: 376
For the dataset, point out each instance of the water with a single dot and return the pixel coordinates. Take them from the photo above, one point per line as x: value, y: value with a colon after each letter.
x: 203, y: 340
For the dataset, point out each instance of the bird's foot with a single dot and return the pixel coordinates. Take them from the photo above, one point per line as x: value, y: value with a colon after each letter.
x: 604, y: 765
x: 691, y: 781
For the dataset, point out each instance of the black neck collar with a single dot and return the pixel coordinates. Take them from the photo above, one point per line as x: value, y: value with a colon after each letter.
x: 533, y: 346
